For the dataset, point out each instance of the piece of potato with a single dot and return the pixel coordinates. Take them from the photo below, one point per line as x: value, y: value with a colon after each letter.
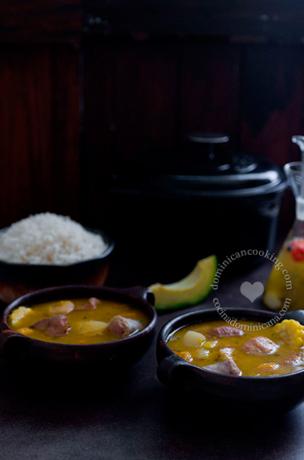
x: 21, y: 316
x: 90, y: 327
x: 62, y: 307
x: 193, y: 339
x: 201, y: 353
x: 210, y: 344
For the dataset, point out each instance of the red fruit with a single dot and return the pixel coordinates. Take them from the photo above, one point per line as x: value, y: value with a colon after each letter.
x: 297, y: 250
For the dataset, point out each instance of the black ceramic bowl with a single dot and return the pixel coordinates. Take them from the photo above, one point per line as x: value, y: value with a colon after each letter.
x: 278, y: 392
x: 16, y: 347
x: 19, y: 279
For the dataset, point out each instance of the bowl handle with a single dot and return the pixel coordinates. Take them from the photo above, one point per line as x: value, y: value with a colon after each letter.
x: 139, y: 292
x: 10, y: 339
x: 297, y: 315
x: 168, y: 368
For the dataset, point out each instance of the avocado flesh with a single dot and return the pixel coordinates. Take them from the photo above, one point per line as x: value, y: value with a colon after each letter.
x: 190, y: 290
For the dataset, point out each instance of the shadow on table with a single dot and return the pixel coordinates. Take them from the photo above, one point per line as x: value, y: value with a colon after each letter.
x: 227, y: 432
x: 172, y: 425
x: 62, y: 384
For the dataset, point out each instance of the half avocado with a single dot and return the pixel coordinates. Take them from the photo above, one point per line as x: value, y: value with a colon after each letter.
x: 191, y: 290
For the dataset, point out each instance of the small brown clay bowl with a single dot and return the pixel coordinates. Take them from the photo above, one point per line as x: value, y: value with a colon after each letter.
x: 19, y: 279
x: 264, y: 394
x: 15, y: 347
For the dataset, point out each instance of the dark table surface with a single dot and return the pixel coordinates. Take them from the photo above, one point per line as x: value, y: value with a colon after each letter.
x: 137, y: 417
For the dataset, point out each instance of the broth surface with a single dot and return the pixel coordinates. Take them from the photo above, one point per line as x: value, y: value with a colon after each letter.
x: 246, y: 351
x: 80, y: 321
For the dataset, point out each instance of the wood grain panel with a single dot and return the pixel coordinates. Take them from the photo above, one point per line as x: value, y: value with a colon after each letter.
x: 131, y: 103
x: 39, y: 142
x: 210, y: 88
x: 40, y: 20
x: 146, y: 103
x: 99, y: 119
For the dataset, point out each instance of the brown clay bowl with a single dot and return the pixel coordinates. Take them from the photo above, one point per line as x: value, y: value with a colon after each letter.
x: 264, y: 394
x: 19, y: 279
x: 15, y: 347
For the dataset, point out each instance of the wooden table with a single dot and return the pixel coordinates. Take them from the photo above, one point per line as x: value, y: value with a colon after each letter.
x: 138, y: 419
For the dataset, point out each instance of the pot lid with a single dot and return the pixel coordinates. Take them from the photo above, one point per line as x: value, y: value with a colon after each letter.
x: 207, y: 168
x: 222, y: 173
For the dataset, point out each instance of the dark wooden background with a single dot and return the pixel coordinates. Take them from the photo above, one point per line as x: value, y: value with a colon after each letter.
x: 86, y: 87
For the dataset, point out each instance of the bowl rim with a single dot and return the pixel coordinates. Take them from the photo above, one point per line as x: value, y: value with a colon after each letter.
x: 109, y: 242
x: 163, y: 337
x: 126, y: 293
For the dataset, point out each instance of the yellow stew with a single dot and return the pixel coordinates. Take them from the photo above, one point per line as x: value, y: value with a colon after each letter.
x: 245, y: 350
x: 78, y: 321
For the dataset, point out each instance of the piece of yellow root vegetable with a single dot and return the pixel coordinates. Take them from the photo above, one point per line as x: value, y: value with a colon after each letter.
x: 19, y: 315
x: 193, y: 339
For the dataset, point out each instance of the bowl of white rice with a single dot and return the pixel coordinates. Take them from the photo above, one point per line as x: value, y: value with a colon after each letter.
x: 46, y: 249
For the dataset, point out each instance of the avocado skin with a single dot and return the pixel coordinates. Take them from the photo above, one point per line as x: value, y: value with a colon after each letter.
x: 190, y: 301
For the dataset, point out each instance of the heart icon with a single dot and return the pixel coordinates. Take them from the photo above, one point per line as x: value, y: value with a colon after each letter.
x: 252, y: 290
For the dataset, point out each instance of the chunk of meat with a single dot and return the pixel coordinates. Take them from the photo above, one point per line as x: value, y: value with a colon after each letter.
x: 226, y: 331
x: 260, y: 346
x: 227, y: 367
x: 90, y: 305
x: 62, y: 307
x: 57, y: 326
x: 226, y: 352
x: 122, y: 327
x: 295, y: 359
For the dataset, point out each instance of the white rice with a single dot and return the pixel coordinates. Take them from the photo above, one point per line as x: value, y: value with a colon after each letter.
x: 49, y: 239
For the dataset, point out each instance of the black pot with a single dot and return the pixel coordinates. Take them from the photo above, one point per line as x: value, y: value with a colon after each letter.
x: 256, y: 393
x: 15, y: 347
x: 205, y: 200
